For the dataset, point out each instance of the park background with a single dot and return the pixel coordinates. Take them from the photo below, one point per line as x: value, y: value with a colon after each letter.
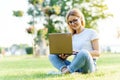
x: 26, y: 67
x: 13, y: 30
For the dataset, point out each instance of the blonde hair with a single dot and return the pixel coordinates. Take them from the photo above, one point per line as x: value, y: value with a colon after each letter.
x: 75, y: 12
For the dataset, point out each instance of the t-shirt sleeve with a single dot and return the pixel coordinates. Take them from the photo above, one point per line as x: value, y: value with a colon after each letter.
x: 94, y: 35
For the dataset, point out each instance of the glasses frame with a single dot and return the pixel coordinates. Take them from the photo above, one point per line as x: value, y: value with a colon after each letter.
x: 73, y: 21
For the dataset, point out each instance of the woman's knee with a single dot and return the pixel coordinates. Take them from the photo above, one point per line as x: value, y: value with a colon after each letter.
x: 84, y: 53
x: 52, y: 56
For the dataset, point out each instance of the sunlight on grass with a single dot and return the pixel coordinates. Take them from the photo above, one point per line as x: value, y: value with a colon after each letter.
x: 31, y: 68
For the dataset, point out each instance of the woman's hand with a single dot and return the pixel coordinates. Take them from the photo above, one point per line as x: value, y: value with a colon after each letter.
x: 64, y: 56
x: 75, y: 52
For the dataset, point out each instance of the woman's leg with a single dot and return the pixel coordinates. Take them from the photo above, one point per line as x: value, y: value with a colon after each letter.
x: 83, y: 60
x: 58, y: 62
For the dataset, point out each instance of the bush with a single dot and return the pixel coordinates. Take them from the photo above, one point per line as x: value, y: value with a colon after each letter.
x: 29, y: 50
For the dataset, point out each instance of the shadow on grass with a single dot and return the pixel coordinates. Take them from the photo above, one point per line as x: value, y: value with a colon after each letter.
x: 26, y: 75
x: 29, y: 76
x: 44, y: 75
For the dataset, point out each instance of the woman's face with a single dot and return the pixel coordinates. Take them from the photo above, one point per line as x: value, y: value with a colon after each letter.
x: 74, y: 22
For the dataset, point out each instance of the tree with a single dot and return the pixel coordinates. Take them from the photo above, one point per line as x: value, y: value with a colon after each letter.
x: 118, y: 33
x: 53, y: 12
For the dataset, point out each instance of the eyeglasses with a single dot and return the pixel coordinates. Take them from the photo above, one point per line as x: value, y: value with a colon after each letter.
x: 73, y: 21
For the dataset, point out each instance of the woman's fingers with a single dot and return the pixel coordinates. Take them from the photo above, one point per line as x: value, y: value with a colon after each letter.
x: 63, y: 56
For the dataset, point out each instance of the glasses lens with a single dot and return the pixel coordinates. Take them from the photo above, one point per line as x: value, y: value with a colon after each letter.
x: 70, y: 22
x: 73, y: 21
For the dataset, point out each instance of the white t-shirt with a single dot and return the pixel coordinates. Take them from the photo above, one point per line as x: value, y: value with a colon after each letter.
x: 83, y: 39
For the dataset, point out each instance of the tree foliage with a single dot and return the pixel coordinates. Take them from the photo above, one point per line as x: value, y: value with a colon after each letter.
x: 18, y: 13
x: 53, y: 12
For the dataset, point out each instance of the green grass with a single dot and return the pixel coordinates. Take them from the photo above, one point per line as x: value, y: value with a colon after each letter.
x: 31, y: 68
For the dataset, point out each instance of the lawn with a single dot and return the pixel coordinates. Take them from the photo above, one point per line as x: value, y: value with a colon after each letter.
x: 31, y: 68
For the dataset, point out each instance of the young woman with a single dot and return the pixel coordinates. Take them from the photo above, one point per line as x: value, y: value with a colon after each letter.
x: 85, y: 45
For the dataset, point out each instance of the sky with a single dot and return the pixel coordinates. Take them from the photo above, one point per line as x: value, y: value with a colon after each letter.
x: 108, y: 28
x: 12, y: 29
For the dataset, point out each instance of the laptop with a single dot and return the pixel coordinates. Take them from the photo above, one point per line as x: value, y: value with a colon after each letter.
x: 60, y: 43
